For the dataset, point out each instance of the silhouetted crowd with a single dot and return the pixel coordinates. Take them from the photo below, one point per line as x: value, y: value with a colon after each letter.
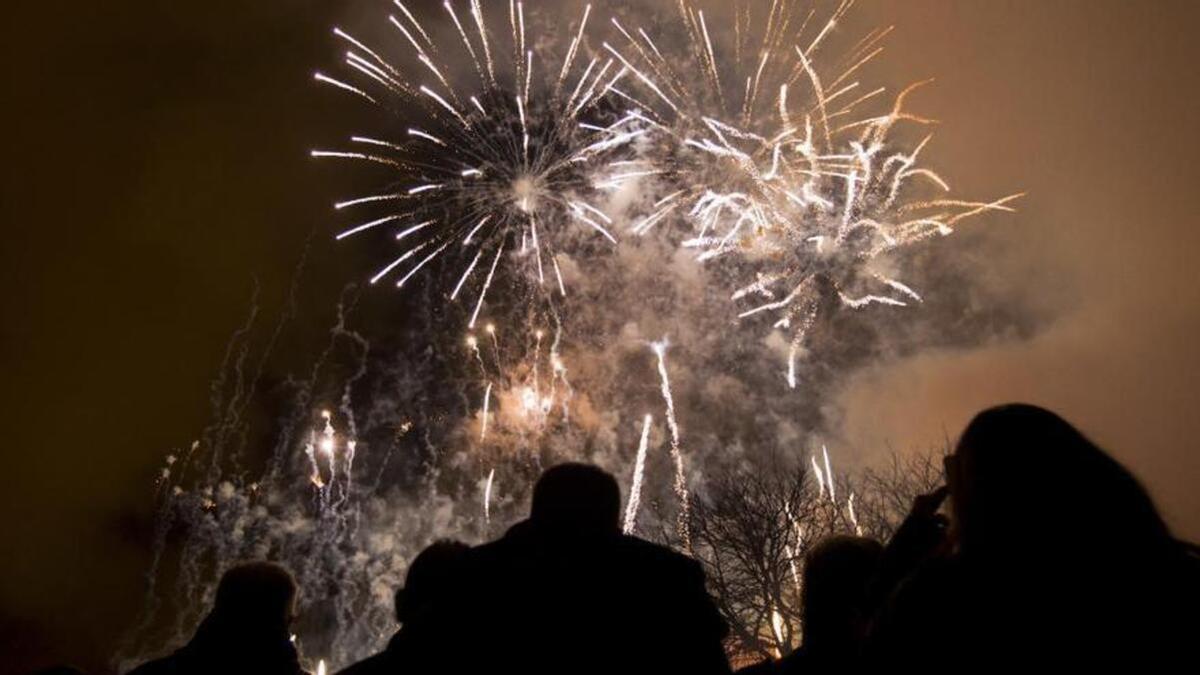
x: 1039, y: 551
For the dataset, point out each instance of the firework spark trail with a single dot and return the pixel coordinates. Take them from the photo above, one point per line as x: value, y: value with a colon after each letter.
x: 537, y: 355
x: 777, y: 624
x: 326, y: 445
x: 559, y: 369
x: 487, y: 497
x: 486, y: 285
x: 811, y: 194
x: 797, y: 342
x: 487, y: 400
x: 680, y: 486
x: 490, y: 329
x: 792, y: 550
x: 473, y: 345
x: 858, y: 531
x: 639, y: 470
x: 325, y: 448
x: 518, y: 162
x: 315, y: 473
x: 829, y: 474
x: 818, y: 473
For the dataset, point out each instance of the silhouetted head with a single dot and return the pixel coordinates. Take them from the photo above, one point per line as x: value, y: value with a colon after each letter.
x: 431, y: 576
x: 58, y: 670
x: 836, y: 605
x: 1022, y: 479
x: 260, y: 595
x: 577, y: 498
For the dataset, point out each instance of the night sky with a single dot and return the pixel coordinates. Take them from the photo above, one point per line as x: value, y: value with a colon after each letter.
x: 156, y: 171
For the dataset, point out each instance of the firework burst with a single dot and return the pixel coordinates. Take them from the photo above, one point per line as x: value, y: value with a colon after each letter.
x: 492, y: 168
x: 525, y: 387
x: 772, y: 164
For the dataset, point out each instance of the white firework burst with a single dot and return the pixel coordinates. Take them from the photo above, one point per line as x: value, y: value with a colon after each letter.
x: 498, y: 165
x: 772, y: 164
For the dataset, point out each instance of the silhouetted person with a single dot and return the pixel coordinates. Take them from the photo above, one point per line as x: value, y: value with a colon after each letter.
x: 431, y: 579
x: 566, y: 592
x: 836, y: 605
x: 1056, y: 556
x: 58, y: 670
x: 246, y: 631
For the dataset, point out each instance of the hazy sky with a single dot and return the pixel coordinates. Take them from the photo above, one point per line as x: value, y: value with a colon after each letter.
x: 1090, y: 107
x: 155, y: 167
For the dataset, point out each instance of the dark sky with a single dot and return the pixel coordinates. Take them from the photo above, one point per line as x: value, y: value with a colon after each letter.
x: 155, y: 167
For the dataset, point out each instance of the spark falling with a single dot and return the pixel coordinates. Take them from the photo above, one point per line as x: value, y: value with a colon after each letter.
x: 818, y: 473
x: 681, y: 487
x: 792, y: 549
x: 639, y: 474
x: 777, y: 625
x: 487, y: 497
x: 829, y: 474
x: 858, y: 531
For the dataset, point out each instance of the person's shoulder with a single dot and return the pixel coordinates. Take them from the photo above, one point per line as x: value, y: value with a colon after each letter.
x: 648, y: 553
x: 486, y: 550
x: 648, y: 548
x: 516, y: 538
x: 492, y: 552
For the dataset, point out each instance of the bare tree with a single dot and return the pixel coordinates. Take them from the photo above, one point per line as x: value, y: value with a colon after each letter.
x: 745, y: 535
x: 751, y: 529
x: 884, y: 493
